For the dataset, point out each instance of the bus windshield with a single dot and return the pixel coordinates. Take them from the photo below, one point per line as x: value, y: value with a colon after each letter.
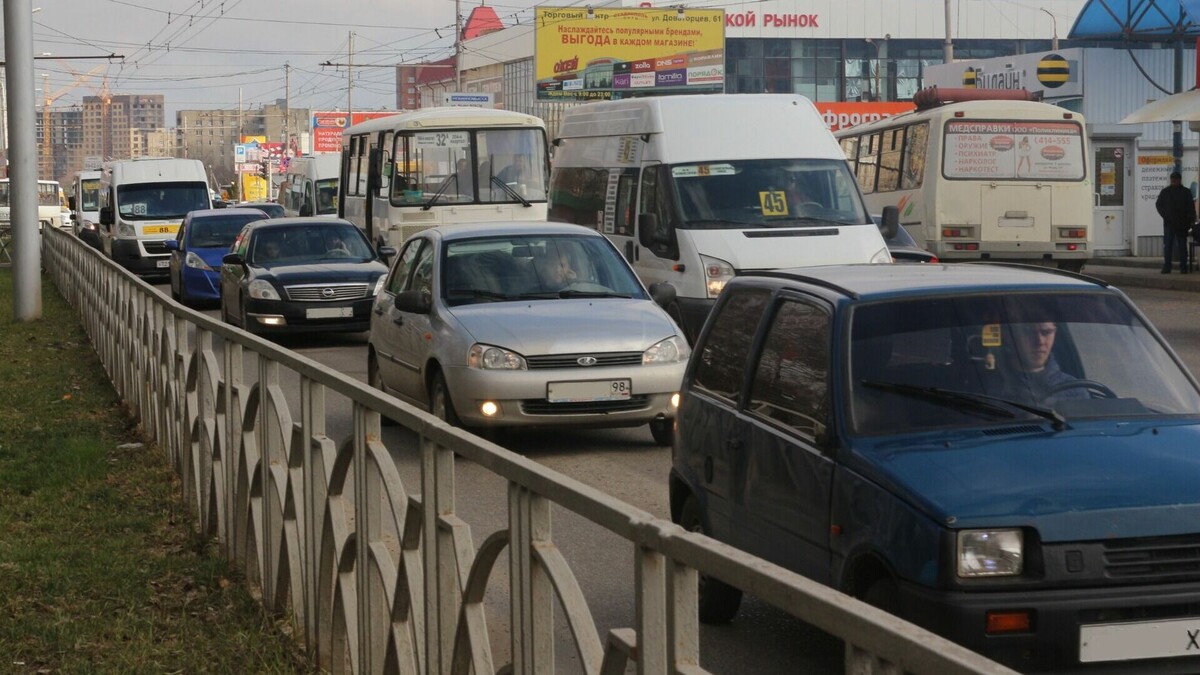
x: 327, y: 189
x: 767, y: 193
x: 508, y: 165
x: 145, y: 201
x: 89, y: 199
x: 48, y: 194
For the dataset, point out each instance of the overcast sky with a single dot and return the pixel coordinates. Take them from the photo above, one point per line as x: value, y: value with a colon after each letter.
x: 201, y: 53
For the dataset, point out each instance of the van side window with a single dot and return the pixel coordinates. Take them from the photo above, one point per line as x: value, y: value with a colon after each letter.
x: 916, y: 143
x: 791, y: 380
x: 577, y: 196
x: 723, y: 355
x: 623, y: 219
x: 889, y: 160
x: 352, y: 168
x: 654, y: 198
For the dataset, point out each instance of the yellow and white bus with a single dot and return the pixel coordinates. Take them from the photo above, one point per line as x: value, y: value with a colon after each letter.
x: 411, y: 171
x: 981, y: 179
x: 52, y: 204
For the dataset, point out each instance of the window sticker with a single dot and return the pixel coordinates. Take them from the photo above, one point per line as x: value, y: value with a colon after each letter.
x: 443, y: 139
x: 773, y: 202
x: 991, y: 335
x: 139, y: 209
x: 697, y: 170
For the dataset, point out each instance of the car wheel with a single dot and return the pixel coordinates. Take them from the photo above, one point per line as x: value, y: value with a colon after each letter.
x: 718, y: 600
x: 663, y: 431
x: 375, y: 379
x: 439, y: 401
x: 884, y: 594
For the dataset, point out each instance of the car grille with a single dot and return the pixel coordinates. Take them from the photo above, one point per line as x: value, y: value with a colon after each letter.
x: 155, y: 247
x: 572, y: 360
x: 544, y: 407
x: 1161, y: 558
x: 326, y: 292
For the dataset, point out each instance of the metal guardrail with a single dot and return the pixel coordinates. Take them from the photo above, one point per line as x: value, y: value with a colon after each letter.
x: 380, y: 576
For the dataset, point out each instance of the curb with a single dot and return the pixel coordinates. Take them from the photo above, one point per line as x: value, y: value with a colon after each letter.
x: 1144, y: 278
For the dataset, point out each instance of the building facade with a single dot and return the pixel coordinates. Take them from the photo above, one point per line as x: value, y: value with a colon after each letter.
x: 212, y: 135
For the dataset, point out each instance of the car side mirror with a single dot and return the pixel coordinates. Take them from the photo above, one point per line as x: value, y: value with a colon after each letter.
x: 171, y: 244
x: 890, y: 223
x: 106, y: 215
x: 71, y: 203
x: 386, y: 252
x: 232, y: 259
x: 413, y: 302
x: 651, y: 231
x: 663, y: 293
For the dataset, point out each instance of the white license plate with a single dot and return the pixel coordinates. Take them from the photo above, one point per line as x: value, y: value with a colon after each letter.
x: 1139, y: 640
x: 596, y: 390
x: 328, y: 312
x: 162, y: 263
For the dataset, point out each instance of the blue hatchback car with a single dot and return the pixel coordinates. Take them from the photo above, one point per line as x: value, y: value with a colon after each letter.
x: 196, y: 252
x: 1006, y: 455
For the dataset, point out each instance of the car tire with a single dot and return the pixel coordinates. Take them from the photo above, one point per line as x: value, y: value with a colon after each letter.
x: 883, y: 594
x: 718, y: 600
x: 663, y: 431
x: 375, y: 379
x: 440, y: 403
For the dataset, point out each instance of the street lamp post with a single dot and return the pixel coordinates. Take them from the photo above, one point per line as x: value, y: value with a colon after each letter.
x: 1054, y: 27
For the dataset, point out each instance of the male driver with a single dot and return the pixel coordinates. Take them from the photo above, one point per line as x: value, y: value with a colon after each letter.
x: 1036, y: 371
x: 1178, y: 212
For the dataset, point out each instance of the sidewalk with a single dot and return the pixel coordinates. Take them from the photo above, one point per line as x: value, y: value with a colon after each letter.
x: 1140, y: 272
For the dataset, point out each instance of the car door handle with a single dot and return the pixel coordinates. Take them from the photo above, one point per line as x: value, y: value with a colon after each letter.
x: 379, y: 310
x: 398, y: 320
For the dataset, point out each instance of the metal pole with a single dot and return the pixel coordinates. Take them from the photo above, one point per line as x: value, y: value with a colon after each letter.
x: 22, y: 134
x: 948, y: 45
x: 1054, y: 27
x: 1177, y: 126
x: 287, y: 108
x: 350, y: 82
x: 241, y: 189
x: 458, y: 47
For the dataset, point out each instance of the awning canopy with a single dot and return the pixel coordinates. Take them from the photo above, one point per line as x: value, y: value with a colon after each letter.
x: 1137, y: 20
x: 1183, y: 107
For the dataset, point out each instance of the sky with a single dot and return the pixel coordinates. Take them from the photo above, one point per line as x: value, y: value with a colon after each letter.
x: 203, y: 54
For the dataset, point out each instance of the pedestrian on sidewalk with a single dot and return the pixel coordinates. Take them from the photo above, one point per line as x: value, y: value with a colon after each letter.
x: 1178, y: 212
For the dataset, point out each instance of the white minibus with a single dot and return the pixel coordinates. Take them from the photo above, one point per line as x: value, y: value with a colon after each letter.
x: 696, y: 189
x: 84, y: 202
x: 51, y: 203
x: 981, y: 179
x: 142, y: 203
x: 411, y: 171
x: 310, y: 185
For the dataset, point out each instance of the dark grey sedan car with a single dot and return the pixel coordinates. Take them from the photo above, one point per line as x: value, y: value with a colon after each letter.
x: 289, y: 275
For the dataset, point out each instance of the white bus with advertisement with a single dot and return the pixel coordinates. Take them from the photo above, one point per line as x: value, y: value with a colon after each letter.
x: 437, y: 166
x: 142, y: 204
x: 982, y: 175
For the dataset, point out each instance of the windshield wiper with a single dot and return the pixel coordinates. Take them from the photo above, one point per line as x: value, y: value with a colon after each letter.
x: 441, y: 190
x: 511, y: 192
x: 570, y: 293
x: 478, y: 293
x: 981, y: 402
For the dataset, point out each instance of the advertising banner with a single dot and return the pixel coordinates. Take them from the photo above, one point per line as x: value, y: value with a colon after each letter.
x: 853, y: 113
x: 585, y: 53
x: 1005, y: 150
x: 328, y: 126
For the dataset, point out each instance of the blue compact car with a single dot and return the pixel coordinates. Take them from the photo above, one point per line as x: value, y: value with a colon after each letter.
x: 196, y: 252
x: 1006, y: 455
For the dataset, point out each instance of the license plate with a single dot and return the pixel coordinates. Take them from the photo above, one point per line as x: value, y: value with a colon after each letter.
x: 160, y: 229
x: 1139, y: 640
x: 162, y: 263
x: 328, y: 312
x: 596, y: 390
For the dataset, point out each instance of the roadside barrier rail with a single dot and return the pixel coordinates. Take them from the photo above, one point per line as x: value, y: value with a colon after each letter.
x: 382, y: 576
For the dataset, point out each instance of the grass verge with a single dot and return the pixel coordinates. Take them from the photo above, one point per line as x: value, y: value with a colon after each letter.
x: 100, y: 569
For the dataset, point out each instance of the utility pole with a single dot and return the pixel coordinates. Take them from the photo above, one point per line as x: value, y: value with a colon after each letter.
x: 240, y: 132
x: 1054, y: 27
x: 18, y: 74
x: 350, y: 82
x: 458, y: 47
x: 948, y: 45
x: 287, y: 108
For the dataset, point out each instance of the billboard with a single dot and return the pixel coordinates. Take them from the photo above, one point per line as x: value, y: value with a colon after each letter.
x: 585, y: 53
x: 848, y: 114
x: 327, y: 127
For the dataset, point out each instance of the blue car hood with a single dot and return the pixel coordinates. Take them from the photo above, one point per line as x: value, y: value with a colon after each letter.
x: 1093, y: 482
x: 567, y: 326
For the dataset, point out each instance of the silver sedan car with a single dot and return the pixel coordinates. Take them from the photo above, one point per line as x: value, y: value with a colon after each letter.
x: 526, y: 324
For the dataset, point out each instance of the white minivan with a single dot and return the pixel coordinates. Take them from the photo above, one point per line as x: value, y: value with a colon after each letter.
x: 142, y: 203
x: 310, y: 186
x: 696, y: 189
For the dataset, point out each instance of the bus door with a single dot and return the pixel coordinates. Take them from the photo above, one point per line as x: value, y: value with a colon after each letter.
x: 1012, y: 214
x: 1108, y: 215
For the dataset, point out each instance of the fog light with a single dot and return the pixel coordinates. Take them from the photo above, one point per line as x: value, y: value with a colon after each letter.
x: 272, y: 320
x: 674, y: 400
x: 1008, y: 622
x: 489, y: 408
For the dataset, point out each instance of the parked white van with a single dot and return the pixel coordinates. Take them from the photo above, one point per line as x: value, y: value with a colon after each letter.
x: 696, y: 189
x: 142, y: 203
x: 310, y: 185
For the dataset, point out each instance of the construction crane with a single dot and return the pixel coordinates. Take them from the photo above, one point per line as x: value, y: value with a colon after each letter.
x: 48, y: 97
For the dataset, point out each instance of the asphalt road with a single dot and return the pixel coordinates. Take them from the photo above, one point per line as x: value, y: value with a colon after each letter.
x: 627, y: 464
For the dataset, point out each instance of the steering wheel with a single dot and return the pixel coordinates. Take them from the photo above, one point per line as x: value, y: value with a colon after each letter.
x: 337, y: 253
x: 1091, y: 386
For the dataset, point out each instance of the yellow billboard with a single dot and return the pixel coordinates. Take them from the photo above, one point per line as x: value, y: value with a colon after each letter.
x: 585, y: 53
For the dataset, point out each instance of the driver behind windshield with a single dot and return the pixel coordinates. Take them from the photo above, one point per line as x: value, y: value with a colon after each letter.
x: 1029, y: 370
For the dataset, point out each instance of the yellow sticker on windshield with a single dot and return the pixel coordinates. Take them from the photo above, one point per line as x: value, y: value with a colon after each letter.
x: 991, y: 335
x: 774, y: 203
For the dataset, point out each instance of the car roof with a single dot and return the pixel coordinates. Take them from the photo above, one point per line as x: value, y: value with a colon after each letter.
x: 867, y: 282
x: 504, y: 228
x: 240, y: 211
x: 298, y: 220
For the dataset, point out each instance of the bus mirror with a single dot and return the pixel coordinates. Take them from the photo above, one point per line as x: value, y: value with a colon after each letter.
x: 890, y: 224
x: 106, y: 215
x: 71, y: 202
x: 651, y: 232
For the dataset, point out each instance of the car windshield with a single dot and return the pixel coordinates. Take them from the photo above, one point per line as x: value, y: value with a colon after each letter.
x: 919, y: 365
x: 271, y: 209
x: 308, y: 244
x: 217, y: 231
x: 145, y: 201
x: 767, y: 193
x: 535, y: 267
x: 327, y: 189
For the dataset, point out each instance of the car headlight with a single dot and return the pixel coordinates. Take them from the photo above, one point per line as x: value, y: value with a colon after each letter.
x: 990, y: 553
x: 487, y: 357
x: 671, y: 350
x: 379, y: 285
x: 717, y: 273
x: 882, y: 256
x: 196, y: 262
x: 126, y: 230
x: 260, y: 289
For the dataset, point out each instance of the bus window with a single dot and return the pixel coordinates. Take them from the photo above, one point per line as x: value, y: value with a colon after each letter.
x: 850, y: 147
x: 352, y: 168
x: 385, y: 163
x: 868, y: 149
x: 916, y: 144
x: 511, y: 163
x: 889, y: 160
